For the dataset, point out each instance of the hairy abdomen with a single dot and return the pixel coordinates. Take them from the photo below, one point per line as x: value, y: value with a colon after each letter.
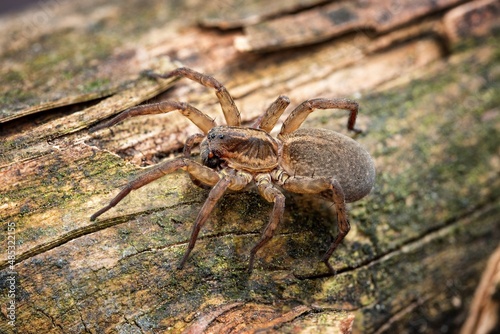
x: 325, y: 153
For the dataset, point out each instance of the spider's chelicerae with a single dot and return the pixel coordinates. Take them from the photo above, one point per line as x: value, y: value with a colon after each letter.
x: 307, y: 161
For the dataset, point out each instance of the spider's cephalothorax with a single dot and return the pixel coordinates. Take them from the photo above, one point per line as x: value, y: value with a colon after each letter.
x: 245, y: 149
x: 312, y: 161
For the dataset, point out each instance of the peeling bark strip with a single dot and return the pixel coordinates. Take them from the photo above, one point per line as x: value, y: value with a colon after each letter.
x: 477, y: 18
x: 230, y: 14
x: 324, y: 22
x: 414, y: 255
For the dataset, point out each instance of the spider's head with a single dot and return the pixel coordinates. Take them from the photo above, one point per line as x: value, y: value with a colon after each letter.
x: 208, y: 157
x: 211, y: 148
x: 240, y: 148
x: 216, y: 146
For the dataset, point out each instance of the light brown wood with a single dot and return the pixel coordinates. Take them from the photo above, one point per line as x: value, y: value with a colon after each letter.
x: 419, y: 241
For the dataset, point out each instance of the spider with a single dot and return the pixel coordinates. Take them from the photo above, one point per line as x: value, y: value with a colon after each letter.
x: 307, y: 161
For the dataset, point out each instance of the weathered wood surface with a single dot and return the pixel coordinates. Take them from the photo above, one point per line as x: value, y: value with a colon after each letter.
x: 418, y: 243
x: 483, y: 315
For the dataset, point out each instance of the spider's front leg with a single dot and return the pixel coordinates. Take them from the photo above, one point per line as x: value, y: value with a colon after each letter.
x: 199, y: 172
x: 231, y: 112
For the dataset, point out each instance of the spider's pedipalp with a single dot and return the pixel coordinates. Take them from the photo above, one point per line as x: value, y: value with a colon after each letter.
x: 190, y: 142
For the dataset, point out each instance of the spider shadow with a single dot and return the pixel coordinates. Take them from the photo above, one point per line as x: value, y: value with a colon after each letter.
x: 235, y: 226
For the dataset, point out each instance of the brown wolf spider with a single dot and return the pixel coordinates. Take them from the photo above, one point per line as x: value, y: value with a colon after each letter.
x: 308, y: 161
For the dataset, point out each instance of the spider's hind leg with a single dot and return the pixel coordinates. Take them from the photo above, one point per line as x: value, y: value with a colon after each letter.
x: 330, y: 189
x: 343, y: 225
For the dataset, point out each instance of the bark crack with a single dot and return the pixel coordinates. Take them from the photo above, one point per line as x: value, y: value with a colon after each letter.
x: 133, y: 322
x: 416, y: 242
x: 400, y: 314
x: 51, y: 318
x: 83, y: 321
x: 82, y: 231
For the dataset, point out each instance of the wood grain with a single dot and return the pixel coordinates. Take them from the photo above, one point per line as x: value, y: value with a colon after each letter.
x: 418, y: 243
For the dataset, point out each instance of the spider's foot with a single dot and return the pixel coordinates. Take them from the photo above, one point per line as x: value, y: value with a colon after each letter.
x: 98, y: 126
x: 184, y: 259
x: 94, y: 216
x: 332, y: 271
x: 357, y: 131
x: 250, y: 263
x: 100, y: 212
x: 155, y: 75
x: 149, y: 74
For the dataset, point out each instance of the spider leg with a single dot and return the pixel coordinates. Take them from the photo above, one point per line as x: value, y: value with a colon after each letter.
x: 232, y: 181
x: 214, y: 195
x: 231, y: 112
x: 268, y: 120
x: 342, y: 222
x: 190, y: 142
x: 299, y: 114
x: 331, y: 189
x: 196, y: 170
x: 196, y: 116
x: 273, y: 195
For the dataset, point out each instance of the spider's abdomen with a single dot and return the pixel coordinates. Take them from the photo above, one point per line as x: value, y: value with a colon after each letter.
x: 247, y: 149
x: 325, y: 153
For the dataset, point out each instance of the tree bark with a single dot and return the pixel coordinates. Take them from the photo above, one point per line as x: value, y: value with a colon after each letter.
x: 418, y: 243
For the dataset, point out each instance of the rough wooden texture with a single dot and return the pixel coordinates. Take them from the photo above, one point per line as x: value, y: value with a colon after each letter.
x: 418, y: 243
x: 324, y: 22
x: 484, y: 311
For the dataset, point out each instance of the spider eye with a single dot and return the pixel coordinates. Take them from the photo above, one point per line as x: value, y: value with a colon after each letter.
x: 221, y: 136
